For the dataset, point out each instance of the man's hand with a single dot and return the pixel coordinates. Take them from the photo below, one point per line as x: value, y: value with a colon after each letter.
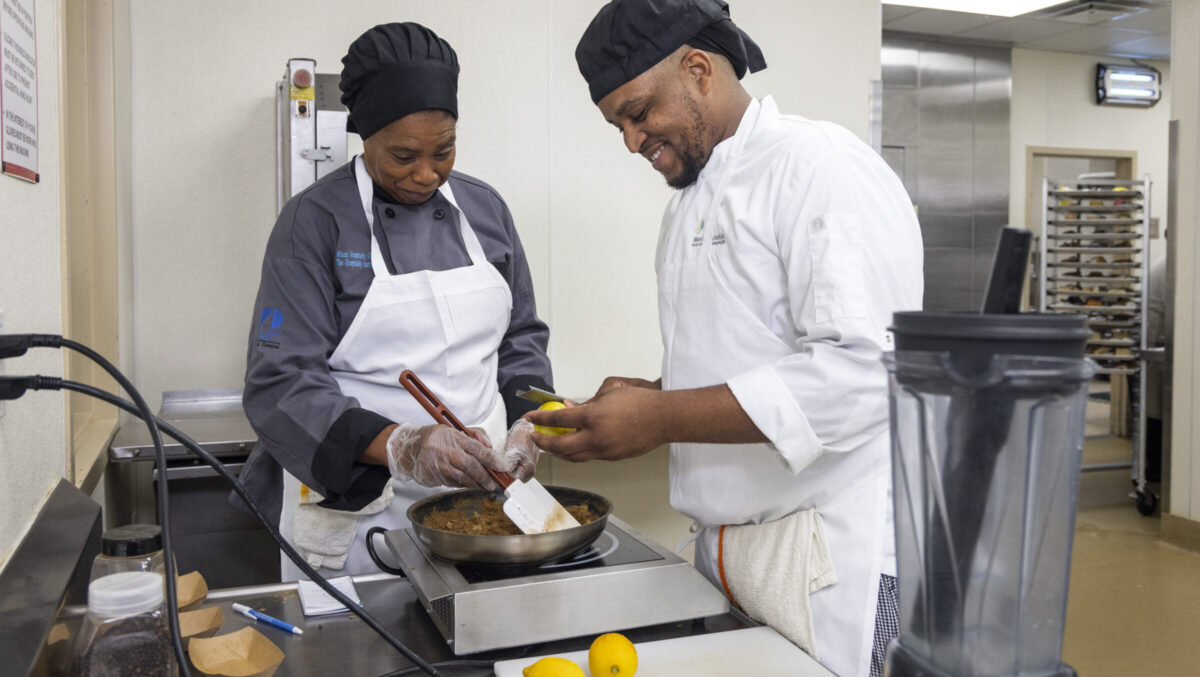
x: 619, y: 422
x: 627, y: 382
x: 630, y: 417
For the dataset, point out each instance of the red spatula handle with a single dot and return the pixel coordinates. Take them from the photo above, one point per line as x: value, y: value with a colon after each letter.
x: 443, y: 415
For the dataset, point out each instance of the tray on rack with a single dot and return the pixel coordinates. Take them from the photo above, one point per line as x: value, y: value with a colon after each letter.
x: 1105, y: 237
x: 1095, y: 294
x: 1113, y: 343
x: 1094, y: 222
x: 1108, y: 310
x: 1110, y: 209
x: 1093, y: 250
x: 1099, y: 194
x: 1122, y: 265
x: 1094, y: 279
x: 1110, y: 323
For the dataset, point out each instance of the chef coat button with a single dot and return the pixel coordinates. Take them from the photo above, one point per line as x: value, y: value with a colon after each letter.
x: 391, y: 213
x: 439, y: 213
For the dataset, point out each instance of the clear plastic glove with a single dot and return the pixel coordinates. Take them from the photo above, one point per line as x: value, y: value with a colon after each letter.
x: 437, y: 455
x: 520, y: 453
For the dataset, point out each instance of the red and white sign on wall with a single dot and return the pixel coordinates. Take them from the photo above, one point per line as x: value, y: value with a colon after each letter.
x: 18, y: 84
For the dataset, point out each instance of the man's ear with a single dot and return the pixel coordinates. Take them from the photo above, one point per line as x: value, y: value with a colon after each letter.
x: 699, y: 66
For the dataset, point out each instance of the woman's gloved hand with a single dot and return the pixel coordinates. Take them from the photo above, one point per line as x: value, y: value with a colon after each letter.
x: 437, y: 455
x: 519, y: 451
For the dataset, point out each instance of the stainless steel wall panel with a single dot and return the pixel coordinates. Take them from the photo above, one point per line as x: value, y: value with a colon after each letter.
x: 946, y: 268
x: 947, y: 230
x: 899, y: 62
x: 993, y: 92
x: 900, y: 117
x: 956, y: 166
x: 946, y: 105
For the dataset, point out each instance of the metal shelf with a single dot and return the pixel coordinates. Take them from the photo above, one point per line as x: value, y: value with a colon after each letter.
x: 1094, y: 279
x: 1096, y: 209
x: 1117, y: 237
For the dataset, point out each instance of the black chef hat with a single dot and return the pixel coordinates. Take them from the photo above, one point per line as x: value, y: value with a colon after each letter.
x: 396, y: 69
x: 627, y: 37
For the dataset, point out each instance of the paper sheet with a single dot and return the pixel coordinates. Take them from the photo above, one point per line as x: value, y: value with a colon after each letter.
x: 317, y: 602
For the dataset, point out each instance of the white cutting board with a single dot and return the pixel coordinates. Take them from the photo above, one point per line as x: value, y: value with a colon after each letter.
x: 761, y: 652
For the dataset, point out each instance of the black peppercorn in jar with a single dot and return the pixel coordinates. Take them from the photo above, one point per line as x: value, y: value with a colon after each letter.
x: 125, y: 633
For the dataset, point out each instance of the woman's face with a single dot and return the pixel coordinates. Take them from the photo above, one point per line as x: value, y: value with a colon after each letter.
x: 412, y: 157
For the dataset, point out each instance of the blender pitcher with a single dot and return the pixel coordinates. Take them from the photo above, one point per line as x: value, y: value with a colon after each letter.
x: 987, y: 415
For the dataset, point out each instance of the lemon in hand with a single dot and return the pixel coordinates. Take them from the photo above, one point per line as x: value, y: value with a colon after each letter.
x: 553, y: 666
x: 550, y: 430
x: 612, y: 655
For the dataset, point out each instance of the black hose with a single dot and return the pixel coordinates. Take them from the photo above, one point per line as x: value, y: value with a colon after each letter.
x: 160, y: 459
x: 209, y: 459
x: 375, y: 556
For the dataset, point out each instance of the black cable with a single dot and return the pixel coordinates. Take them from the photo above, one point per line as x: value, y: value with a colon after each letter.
x: 375, y: 556
x: 453, y: 664
x: 12, y: 384
x: 17, y: 344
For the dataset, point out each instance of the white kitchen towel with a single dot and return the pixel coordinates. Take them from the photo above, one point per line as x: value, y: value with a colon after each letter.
x: 770, y: 569
x: 324, y: 536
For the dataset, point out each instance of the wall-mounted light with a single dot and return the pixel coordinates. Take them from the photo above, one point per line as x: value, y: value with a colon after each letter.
x: 1119, y: 85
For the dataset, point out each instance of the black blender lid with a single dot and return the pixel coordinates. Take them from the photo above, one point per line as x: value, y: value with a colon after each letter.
x: 132, y: 540
x: 997, y: 327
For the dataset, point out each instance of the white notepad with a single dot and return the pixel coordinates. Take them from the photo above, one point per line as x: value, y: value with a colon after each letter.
x: 317, y: 602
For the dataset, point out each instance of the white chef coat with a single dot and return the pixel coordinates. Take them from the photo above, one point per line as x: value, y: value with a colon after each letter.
x: 800, y: 243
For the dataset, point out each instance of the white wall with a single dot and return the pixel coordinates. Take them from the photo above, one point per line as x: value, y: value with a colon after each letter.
x: 203, y: 179
x: 1054, y: 104
x: 32, y: 431
x: 203, y: 199
x: 1185, y: 431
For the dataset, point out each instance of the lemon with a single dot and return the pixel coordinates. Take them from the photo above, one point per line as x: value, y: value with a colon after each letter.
x: 549, y: 430
x: 612, y: 655
x: 553, y: 666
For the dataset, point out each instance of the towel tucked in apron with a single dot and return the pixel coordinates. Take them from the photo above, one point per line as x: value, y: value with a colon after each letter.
x: 770, y: 569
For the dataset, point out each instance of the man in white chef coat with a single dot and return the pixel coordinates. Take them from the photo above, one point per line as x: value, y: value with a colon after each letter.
x: 780, y: 261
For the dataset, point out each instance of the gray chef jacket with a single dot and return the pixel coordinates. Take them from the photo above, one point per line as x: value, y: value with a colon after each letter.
x: 315, y: 273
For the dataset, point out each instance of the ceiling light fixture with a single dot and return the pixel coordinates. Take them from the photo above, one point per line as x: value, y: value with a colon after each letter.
x: 1006, y: 8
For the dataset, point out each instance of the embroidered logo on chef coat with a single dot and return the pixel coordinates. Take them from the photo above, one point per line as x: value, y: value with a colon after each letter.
x: 699, y: 237
x: 269, y: 322
x: 352, y: 259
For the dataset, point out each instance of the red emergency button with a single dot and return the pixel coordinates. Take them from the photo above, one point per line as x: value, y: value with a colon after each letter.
x: 302, y: 78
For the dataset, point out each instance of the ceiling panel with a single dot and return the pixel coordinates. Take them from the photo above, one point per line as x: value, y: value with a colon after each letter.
x: 1092, y: 39
x: 1154, y: 47
x: 938, y: 22
x: 1017, y: 30
x: 891, y: 12
x: 1156, y: 21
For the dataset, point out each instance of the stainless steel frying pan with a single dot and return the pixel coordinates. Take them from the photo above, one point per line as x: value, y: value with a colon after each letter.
x: 519, y: 549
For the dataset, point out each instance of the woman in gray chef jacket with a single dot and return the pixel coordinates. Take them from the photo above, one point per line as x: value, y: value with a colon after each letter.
x: 391, y: 262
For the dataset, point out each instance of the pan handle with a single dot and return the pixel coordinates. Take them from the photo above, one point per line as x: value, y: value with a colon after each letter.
x: 442, y: 414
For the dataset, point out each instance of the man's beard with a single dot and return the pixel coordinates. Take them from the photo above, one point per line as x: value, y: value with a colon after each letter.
x: 691, y: 152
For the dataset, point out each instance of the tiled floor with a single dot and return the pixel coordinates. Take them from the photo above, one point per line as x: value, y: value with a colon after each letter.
x: 1134, y: 604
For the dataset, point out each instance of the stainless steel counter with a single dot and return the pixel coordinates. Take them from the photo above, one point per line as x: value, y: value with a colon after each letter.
x: 228, y: 546
x: 341, y: 644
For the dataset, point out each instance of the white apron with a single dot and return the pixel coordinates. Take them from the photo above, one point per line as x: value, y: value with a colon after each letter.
x: 446, y: 326
x: 710, y: 336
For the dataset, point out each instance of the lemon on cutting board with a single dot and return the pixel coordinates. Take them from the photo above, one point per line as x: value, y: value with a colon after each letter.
x: 612, y: 655
x: 550, y: 430
x: 553, y: 666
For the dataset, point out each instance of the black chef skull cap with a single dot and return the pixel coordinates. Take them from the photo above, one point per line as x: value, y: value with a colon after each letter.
x: 627, y: 37
x: 394, y: 70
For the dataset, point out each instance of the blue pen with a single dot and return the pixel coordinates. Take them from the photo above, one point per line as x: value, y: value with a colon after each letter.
x: 260, y: 616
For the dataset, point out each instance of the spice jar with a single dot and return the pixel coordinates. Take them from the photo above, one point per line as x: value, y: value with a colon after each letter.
x: 133, y: 547
x: 125, y: 633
